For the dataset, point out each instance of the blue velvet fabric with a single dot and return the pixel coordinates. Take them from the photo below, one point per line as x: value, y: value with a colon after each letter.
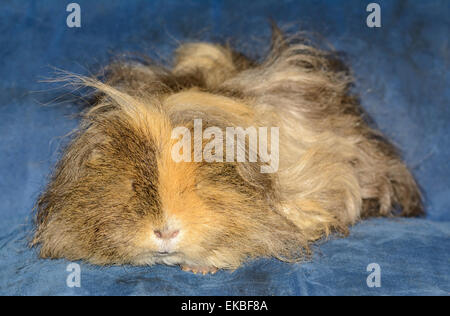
x: 402, y: 72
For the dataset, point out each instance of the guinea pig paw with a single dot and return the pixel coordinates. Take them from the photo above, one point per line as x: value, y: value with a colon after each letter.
x: 197, y: 269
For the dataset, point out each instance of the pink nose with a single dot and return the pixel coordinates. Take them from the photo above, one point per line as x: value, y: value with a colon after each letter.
x: 166, y: 234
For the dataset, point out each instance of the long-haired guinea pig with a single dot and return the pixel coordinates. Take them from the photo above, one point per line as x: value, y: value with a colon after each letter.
x: 118, y: 196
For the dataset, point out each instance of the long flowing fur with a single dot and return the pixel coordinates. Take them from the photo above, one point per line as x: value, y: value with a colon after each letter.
x: 116, y: 182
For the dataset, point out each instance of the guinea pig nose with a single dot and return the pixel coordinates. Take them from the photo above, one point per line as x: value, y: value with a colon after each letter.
x: 166, y: 234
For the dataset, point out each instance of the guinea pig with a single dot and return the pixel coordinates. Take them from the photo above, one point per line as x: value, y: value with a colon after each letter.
x: 118, y: 196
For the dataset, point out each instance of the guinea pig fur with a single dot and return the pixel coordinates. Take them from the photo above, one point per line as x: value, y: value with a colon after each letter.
x: 118, y: 197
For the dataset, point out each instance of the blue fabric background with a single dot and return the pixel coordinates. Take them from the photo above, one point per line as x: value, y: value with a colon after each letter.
x: 403, y: 78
